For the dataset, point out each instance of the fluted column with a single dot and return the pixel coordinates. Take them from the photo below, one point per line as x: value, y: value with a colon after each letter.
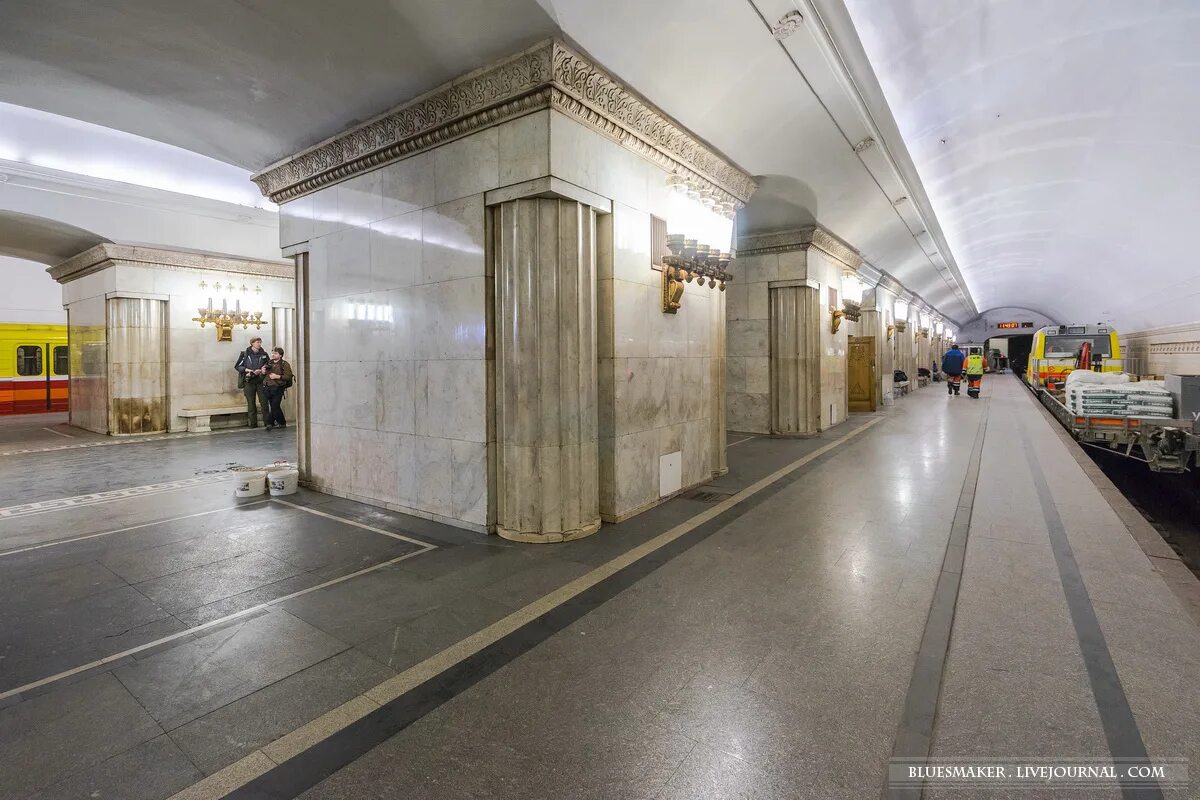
x: 795, y: 359
x: 137, y: 365
x: 547, y: 458
x: 719, y: 465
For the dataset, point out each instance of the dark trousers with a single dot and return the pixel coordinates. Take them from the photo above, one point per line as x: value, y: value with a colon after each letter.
x: 273, y: 411
x: 255, y: 397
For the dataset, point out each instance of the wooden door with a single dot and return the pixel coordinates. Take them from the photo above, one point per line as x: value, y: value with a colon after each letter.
x: 860, y: 380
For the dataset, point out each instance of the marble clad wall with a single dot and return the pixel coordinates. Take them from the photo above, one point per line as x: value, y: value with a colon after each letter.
x: 828, y: 273
x: 199, y: 369
x: 401, y: 298
x: 399, y: 305
x: 748, y: 376
x: 88, y: 349
x: 1162, y: 351
x: 657, y: 390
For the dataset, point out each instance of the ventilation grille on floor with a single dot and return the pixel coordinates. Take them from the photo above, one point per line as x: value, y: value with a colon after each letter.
x: 709, y: 495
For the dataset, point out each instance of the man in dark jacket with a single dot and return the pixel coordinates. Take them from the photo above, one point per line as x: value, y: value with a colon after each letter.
x: 279, y: 379
x: 952, y: 365
x: 252, y: 367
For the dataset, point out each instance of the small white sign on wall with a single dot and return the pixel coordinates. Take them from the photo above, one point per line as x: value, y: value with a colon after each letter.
x: 670, y: 473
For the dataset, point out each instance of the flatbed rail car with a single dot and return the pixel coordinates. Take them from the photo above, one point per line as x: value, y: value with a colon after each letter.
x: 1164, y: 444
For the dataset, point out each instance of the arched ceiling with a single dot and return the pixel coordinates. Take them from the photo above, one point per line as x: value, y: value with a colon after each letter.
x: 1057, y: 143
x: 45, y: 241
x: 248, y: 82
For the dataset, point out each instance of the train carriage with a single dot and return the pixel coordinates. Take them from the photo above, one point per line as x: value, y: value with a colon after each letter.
x: 34, y: 363
x: 1057, y: 349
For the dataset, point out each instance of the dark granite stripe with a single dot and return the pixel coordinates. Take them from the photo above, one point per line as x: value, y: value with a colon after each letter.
x: 914, y: 736
x: 302, y: 772
x: 1120, y: 727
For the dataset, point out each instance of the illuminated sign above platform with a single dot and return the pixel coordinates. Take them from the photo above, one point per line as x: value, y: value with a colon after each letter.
x: 1014, y: 324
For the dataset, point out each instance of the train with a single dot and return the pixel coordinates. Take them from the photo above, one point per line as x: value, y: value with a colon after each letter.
x: 1058, y: 349
x: 34, y: 367
x: 1166, y: 442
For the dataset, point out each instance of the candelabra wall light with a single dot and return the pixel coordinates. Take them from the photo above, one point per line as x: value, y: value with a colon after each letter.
x: 224, y: 319
x: 924, y: 333
x: 890, y: 330
x: 695, y: 254
x: 901, y: 325
x: 835, y: 321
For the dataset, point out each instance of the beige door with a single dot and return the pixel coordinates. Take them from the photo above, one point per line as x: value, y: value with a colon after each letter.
x: 860, y: 382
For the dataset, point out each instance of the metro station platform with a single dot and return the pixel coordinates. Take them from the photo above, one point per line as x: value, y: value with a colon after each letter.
x: 949, y: 578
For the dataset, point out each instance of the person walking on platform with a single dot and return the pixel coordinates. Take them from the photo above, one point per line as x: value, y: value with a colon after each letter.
x: 976, y: 365
x: 279, y: 379
x: 252, y: 369
x: 952, y: 366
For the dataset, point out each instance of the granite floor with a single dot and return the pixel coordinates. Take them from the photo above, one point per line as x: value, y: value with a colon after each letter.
x: 781, y: 635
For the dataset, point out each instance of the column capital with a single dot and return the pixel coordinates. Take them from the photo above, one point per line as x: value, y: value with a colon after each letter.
x: 549, y: 75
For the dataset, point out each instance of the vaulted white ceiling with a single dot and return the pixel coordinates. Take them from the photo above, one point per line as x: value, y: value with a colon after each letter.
x: 249, y: 82
x: 1058, y: 144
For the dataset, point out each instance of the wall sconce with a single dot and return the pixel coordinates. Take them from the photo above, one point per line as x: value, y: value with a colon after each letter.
x: 852, y: 310
x: 901, y: 325
x: 890, y: 330
x: 836, y: 315
x: 703, y: 225
x: 224, y: 319
x: 924, y: 332
x: 900, y: 312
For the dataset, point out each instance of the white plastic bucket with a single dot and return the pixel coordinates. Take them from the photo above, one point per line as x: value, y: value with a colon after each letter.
x: 283, y: 481
x: 249, y: 483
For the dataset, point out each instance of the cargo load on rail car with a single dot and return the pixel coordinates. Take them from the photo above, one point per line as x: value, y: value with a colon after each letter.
x: 33, y: 368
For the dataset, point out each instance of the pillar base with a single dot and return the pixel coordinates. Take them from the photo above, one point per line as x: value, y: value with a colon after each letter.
x: 548, y: 538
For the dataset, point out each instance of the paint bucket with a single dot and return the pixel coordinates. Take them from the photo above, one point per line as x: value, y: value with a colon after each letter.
x: 283, y: 481
x: 249, y: 483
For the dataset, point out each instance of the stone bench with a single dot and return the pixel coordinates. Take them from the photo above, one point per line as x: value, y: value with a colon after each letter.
x: 199, y: 420
x: 902, y: 387
x: 922, y: 380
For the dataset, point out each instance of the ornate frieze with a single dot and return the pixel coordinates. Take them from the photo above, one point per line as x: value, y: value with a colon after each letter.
x: 108, y: 254
x: 548, y: 75
x: 800, y: 239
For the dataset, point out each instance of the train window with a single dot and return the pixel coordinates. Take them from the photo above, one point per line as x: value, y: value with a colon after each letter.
x: 61, y: 360
x: 29, y: 360
x: 1069, y: 346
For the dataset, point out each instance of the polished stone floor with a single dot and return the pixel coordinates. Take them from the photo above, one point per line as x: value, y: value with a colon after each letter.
x: 943, y: 578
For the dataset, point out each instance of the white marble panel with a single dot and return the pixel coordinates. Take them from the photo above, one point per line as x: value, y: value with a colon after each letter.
x: 697, y: 463
x: 360, y: 201
x: 325, y: 212
x: 737, y: 298
x: 396, y: 251
x: 459, y: 320
x: 470, y: 165
x: 451, y: 399
x: 588, y: 159
x: 356, y: 387
x: 296, y: 221
x: 668, y: 332
x: 698, y: 320
x: 453, y: 240
x: 631, y: 322
x: 747, y: 338
x: 433, y: 467
x: 396, y: 407
x: 524, y: 148
x: 636, y: 471
x: 469, y: 481
x: 640, y: 394
x: 407, y: 185
x: 348, y: 262
x: 632, y: 254
x: 790, y: 266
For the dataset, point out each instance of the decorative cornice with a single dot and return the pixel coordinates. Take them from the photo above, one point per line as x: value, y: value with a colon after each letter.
x: 547, y: 76
x: 106, y: 255
x: 800, y: 239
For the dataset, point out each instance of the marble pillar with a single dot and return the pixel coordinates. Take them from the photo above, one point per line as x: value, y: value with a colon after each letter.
x: 546, y: 472
x: 795, y: 359
x: 717, y: 367
x: 137, y: 365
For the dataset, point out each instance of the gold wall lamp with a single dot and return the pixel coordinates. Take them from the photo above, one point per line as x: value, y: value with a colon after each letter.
x: 835, y: 315
x: 890, y: 330
x: 690, y: 261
